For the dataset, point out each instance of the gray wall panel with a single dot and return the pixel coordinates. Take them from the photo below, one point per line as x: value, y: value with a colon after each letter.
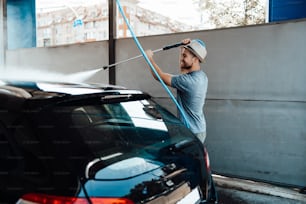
x: 264, y: 140
x: 67, y: 59
x: 263, y: 63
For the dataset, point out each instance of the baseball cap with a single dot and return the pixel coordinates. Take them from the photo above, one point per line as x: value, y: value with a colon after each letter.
x: 198, y: 48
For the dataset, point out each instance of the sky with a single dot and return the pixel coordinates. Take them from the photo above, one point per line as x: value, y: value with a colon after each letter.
x: 180, y: 10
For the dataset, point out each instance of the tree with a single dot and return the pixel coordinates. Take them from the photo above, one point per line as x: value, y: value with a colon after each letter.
x: 229, y: 13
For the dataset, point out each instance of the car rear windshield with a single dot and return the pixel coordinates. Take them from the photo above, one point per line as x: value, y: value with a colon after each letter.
x: 98, y: 129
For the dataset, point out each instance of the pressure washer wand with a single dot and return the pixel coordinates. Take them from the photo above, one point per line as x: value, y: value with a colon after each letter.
x: 132, y: 58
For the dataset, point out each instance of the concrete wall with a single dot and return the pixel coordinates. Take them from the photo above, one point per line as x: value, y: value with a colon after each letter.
x: 64, y: 59
x: 256, y: 100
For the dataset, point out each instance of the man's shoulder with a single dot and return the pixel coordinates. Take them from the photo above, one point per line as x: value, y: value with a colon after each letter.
x: 198, y: 75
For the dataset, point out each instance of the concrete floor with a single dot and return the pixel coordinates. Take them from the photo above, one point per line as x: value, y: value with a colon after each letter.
x: 233, y: 196
x: 239, y: 191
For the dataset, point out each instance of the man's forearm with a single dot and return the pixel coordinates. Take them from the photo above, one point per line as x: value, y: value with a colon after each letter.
x: 164, y: 76
x: 158, y: 70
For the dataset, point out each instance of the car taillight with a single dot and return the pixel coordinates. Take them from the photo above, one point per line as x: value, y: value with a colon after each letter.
x: 111, y: 201
x: 49, y: 199
x: 207, y: 161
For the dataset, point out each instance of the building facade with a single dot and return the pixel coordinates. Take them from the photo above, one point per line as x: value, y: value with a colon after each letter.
x: 67, y: 25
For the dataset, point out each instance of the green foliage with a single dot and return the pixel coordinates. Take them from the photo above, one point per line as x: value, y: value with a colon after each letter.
x: 230, y: 13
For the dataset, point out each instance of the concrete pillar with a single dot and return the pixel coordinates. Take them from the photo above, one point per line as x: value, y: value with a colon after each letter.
x: 2, y: 35
x: 21, y: 24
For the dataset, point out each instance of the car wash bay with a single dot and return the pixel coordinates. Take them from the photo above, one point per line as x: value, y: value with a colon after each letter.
x: 256, y: 100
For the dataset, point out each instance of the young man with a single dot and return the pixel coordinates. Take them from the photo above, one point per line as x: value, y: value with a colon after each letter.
x: 191, y: 84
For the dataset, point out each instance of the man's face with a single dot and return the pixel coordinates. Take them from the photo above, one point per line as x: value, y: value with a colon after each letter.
x: 187, y: 59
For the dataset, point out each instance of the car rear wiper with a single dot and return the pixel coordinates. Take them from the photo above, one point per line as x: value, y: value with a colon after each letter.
x: 117, y: 97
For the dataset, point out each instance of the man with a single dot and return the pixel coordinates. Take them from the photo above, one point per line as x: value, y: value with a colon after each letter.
x: 191, y: 84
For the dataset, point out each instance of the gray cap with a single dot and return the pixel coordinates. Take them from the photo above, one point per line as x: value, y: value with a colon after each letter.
x: 198, y: 48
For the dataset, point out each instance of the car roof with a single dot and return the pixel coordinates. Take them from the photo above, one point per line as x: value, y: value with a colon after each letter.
x: 14, y: 93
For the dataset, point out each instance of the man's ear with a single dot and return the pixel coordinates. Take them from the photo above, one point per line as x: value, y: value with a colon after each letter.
x: 196, y: 59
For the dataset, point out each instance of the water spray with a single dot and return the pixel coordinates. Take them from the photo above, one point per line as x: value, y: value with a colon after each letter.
x: 138, y: 56
x: 30, y: 74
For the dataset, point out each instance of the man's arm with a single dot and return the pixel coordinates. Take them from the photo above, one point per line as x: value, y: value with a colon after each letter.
x: 163, y: 75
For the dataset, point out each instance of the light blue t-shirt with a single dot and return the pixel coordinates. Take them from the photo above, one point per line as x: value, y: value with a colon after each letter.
x: 191, y: 94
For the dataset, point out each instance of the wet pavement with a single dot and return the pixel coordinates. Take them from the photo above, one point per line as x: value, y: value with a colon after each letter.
x: 239, y: 191
x: 233, y: 196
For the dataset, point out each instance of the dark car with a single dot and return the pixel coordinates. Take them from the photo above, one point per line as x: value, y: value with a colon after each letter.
x: 66, y: 143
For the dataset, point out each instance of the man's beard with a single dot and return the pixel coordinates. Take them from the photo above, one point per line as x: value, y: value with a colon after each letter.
x: 186, y: 66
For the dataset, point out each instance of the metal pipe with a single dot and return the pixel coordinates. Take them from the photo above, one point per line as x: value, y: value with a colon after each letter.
x: 138, y: 56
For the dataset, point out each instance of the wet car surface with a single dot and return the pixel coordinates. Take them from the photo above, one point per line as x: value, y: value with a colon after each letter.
x: 84, y: 143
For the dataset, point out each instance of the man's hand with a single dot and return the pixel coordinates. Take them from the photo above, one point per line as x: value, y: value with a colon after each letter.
x: 186, y: 41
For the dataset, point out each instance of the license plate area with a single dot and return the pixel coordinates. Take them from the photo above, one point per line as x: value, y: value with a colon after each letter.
x: 191, y: 198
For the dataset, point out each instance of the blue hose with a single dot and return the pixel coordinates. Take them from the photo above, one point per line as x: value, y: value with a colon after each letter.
x: 150, y: 64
